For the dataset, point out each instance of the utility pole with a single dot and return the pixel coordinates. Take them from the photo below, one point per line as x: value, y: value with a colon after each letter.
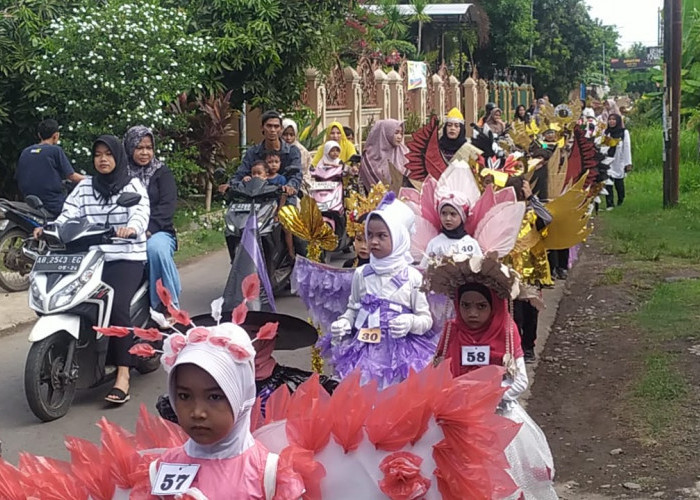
x: 673, y: 48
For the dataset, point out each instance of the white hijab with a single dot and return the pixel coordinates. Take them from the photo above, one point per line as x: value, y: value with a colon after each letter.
x: 400, y: 220
x: 326, y: 159
x: 237, y: 381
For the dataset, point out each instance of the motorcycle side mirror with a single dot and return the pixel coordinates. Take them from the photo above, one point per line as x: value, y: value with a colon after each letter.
x: 128, y: 200
x: 220, y: 175
x: 34, y: 202
x: 355, y: 159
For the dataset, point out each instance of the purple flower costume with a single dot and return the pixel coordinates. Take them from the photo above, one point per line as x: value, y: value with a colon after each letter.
x: 390, y: 360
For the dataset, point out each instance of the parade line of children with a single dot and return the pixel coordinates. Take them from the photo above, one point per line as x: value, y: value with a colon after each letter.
x: 420, y: 329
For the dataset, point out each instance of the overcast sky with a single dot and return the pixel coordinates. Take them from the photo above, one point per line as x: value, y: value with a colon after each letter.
x: 636, y: 20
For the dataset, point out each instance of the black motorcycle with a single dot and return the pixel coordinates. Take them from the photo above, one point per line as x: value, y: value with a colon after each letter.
x: 17, y: 222
x: 258, y: 199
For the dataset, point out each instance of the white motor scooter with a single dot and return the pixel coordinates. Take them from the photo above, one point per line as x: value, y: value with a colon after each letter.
x: 67, y: 292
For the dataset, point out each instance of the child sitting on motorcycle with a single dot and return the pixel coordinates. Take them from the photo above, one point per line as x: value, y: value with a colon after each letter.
x: 274, y: 163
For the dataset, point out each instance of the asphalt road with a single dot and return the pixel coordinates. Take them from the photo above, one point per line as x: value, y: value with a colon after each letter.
x: 20, y: 430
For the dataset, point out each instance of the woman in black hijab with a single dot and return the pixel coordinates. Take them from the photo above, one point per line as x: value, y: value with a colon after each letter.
x: 95, y: 199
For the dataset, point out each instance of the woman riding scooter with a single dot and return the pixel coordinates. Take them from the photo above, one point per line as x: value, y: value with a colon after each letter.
x: 94, y: 199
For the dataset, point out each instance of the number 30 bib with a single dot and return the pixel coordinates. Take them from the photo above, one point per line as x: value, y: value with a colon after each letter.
x: 476, y: 355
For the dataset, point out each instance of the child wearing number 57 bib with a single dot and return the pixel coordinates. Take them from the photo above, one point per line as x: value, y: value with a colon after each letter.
x: 386, y: 330
x: 211, y: 381
x: 484, y: 333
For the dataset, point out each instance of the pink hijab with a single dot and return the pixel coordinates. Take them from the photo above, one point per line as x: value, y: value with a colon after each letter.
x: 379, y: 150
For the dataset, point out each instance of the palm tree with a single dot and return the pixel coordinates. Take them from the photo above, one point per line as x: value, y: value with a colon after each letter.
x: 420, y: 17
x: 395, y: 27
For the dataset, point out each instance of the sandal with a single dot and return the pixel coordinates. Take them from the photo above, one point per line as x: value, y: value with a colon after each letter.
x: 118, y: 396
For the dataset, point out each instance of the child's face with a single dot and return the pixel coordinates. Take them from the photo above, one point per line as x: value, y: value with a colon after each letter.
x: 449, y: 218
x: 334, y: 153
x: 361, y: 248
x: 258, y: 171
x: 550, y: 136
x: 273, y: 164
x: 202, y: 408
x: 335, y: 135
x: 474, y: 309
x: 379, y: 238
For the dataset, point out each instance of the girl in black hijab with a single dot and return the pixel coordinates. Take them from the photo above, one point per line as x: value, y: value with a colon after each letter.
x: 107, y: 185
x: 620, y: 150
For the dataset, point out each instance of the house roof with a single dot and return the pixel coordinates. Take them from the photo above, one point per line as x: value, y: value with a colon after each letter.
x: 444, y: 14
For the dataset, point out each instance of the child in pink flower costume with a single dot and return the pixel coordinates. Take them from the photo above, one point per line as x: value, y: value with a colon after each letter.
x: 211, y: 381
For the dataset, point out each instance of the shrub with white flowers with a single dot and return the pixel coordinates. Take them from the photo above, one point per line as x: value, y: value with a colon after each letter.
x: 119, y: 64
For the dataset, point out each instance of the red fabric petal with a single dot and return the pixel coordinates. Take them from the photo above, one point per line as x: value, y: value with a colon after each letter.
x: 89, y: 469
x: 268, y: 331
x: 350, y: 405
x: 239, y: 353
x: 391, y: 426
x: 154, y: 432
x: 277, y: 405
x: 219, y: 341
x: 113, y: 331
x: 181, y: 317
x: 424, y: 156
x: 127, y: 467
x: 143, y: 350
x: 197, y: 335
x: 49, y: 479
x: 239, y: 313
x: 177, y: 343
x: 402, y: 476
x: 164, y: 294
x: 308, y: 418
x: 251, y: 287
x: 312, y: 472
x: 149, y: 335
x: 11, y: 482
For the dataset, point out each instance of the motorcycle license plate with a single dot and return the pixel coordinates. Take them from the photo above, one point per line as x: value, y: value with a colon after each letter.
x: 57, y: 263
x: 241, y: 207
x: 323, y: 186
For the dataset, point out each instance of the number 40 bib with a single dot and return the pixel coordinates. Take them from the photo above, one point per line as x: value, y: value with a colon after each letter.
x: 476, y: 355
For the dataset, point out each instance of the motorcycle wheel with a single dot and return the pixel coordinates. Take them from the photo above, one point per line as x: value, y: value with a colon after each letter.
x: 11, y: 243
x: 48, y: 396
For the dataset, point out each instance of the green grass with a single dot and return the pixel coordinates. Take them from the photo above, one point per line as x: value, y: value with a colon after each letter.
x: 612, y: 276
x: 653, y: 242
x: 641, y: 229
x: 197, y: 235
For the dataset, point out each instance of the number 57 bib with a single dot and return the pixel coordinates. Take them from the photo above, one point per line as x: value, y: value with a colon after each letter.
x: 174, y: 479
x: 476, y: 355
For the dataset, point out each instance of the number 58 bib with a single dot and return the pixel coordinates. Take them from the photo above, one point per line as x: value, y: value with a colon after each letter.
x: 476, y: 355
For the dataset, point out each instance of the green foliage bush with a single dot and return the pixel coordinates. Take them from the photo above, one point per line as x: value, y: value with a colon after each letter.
x: 112, y: 65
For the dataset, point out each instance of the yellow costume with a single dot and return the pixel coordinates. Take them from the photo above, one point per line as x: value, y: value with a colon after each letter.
x: 347, y: 148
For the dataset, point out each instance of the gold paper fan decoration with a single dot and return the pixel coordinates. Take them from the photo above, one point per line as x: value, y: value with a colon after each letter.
x: 570, y: 217
x: 308, y: 224
x: 520, y: 136
x: 358, y: 205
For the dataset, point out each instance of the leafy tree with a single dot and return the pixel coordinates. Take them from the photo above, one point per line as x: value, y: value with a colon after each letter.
x: 22, y: 27
x: 511, y: 31
x: 107, y: 69
x: 568, y: 46
x: 263, y: 46
x: 421, y: 18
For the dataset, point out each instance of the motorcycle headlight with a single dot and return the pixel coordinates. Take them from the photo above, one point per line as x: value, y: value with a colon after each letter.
x: 68, y: 293
x: 36, y: 295
x: 3, y: 223
x: 65, y: 295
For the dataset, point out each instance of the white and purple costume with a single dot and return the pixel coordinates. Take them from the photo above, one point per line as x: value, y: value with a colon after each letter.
x: 387, y: 306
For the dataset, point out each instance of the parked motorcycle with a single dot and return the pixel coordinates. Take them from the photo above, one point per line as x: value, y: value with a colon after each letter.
x: 17, y: 221
x: 67, y: 292
x: 259, y: 199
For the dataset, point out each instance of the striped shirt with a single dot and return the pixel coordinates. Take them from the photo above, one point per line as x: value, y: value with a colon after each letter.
x: 82, y: 203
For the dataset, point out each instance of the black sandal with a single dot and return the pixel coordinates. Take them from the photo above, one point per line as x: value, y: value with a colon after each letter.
x: 121, y: 396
